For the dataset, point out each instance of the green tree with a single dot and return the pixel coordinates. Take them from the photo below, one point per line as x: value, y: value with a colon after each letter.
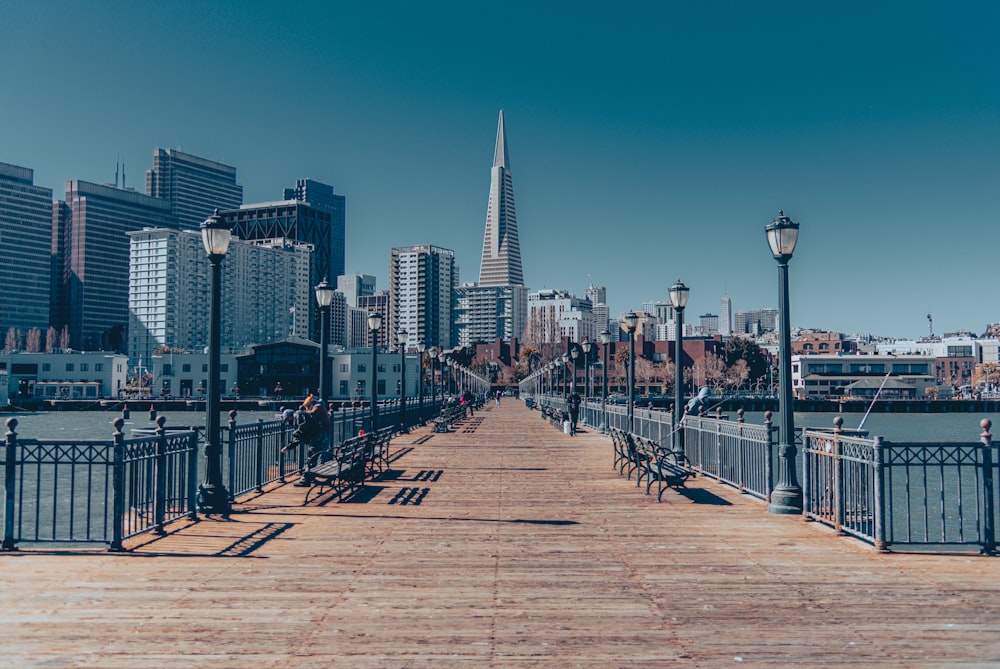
x: 740, y: 348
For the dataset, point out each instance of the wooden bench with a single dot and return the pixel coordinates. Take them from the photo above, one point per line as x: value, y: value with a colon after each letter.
x: 661, y: 464
x: 340, y: 469
x: 448, y: 416
x: 377, y: 451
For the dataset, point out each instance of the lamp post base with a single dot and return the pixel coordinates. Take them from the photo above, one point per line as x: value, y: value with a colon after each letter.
x: 785, y: 501
x: 213, y: 500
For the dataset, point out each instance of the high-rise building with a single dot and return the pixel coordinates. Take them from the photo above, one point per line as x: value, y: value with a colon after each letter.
x: 367, y: 304
x: 497, y: 306
x: 354, y: 286
x: 422, y: 282
x: 726, y: 316
x: 484, y: 314
x: 25, y: 250
x: 265, y: 289
x: 553, y: 314
x: 91, y: 237
x: 501, y: 265
x: 320, y: 225
x: 194, y: 187
x: 708, y: 324
x: 597, y: 294
x: 756, y: 322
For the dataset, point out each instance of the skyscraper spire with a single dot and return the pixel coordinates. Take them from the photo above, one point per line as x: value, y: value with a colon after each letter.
x: 501, y: 265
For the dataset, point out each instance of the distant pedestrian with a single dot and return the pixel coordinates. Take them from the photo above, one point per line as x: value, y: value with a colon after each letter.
x: 498, y: 398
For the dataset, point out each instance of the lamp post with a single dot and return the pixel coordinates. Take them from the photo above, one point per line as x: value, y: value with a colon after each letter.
x: 586, y: 346
x: 605, y: 338
x: 565, y: 371
x: 402, y: 338
x: 212, y: 494
x: 786, y: 498
x: 631, y: 323
x: 421, y: 347
x: 433, y: 353
x: 374, y: 323
x: 574, y: 352
x: 324, y: 297
x: 678, y: 298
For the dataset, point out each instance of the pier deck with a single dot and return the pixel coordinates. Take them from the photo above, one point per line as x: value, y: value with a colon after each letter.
x: 502, y: 544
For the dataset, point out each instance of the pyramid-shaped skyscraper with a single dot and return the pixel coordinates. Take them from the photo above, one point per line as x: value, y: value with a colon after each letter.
x: 496, y: 307
x: 501, y: 264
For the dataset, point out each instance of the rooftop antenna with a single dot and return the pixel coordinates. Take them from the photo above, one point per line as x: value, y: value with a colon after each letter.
x: 117, y: 162
x: 930, y: 325
x: 123, y: 172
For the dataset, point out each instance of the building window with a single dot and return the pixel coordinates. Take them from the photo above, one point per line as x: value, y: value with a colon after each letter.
x: 84, y: 367
x: 381, y: 386
x: 46, y: 367
x: 98, y: 366
x: 381, y: 367
x: 186, y: 367
x: 362, y: 368
x: 343, y: 387
x: 223, y: 367
x: 69, y: 367
x: 344, y: 368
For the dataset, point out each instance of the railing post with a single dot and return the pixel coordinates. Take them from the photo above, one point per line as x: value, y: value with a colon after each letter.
x: 769, y: 455
x: 160, y: 476
x: 117, y: 487
x: 718, y: 451
x: 741, y: 449
x: 10, y: 479
x: 231, y: 453
x: 258, y: 455
x: 878, y: 465
x: 839, y: 485
x: 989, y: 527
x: 192, y: 482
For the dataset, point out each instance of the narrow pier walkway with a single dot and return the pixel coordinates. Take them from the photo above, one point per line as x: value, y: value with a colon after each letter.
x: 502, y: 544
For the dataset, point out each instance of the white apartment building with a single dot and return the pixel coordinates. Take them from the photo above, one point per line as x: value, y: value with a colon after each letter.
x: 553, y: 314
x: 422, y: 280
x: 266, y: 292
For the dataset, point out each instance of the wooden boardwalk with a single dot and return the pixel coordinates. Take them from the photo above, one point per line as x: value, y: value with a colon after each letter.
x: 503, y: 544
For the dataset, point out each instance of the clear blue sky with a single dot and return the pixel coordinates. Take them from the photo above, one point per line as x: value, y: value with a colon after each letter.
x: 649, y: 141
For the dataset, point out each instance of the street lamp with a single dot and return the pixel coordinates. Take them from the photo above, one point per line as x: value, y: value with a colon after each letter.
x: 786, y: 498
x: 565, y: 371
x: 433, y: 353
x: 574, y: 352
x: 605, y: 337
x: 402, y: 338
x: 324, y: 297
x: 586, y: 346
x: 421, y: 347
x: 374, y: 323
x: 678, y: 298
x: 212, y: 494
x: 631, y: 323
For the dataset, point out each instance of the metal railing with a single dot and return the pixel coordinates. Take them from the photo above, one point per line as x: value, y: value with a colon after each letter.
x: 106, y: 491
x: 735, y: 453
x: 930, y: 494
x: 95, y: 491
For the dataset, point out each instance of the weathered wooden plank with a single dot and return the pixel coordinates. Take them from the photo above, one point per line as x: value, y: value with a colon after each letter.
x: 511, y: 545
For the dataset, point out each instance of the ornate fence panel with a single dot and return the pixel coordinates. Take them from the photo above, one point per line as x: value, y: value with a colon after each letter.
x: 738, y: 454
x: 93, y: 491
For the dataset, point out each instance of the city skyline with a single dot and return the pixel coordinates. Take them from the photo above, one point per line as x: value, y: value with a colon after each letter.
x: 652, y: 144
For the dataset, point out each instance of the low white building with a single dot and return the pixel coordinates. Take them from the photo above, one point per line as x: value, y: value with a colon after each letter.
x: 352, y: 374
x: 829, y: 376
x: 69, y: 375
